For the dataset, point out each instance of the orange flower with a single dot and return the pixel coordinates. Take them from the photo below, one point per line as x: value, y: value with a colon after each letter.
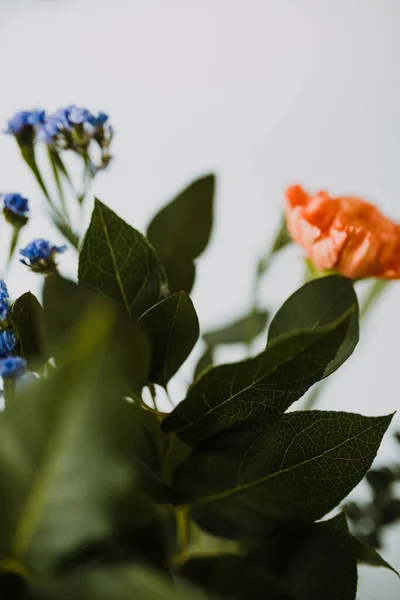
x: 346, y: 234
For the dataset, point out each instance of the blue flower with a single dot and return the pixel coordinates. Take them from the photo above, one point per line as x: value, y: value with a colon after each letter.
x: 63, y: 121
x: 8, y: 341
x: 77, y: 115
x: 12, y: 366
x: 3, y: 290
x: 40, y: 254
x: 98, y: 121
x: 23, y: 121
x: 16, y: 205
x: 4, y: 309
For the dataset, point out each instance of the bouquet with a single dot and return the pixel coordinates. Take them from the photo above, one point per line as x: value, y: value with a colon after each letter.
x: 236, y: 491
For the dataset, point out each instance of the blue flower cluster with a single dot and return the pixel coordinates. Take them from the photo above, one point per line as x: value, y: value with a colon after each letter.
x: 70, y: 128
x: 25, y: 121
x: 59, y: 126
x: 10, y: 366
x: 41, y: 254
x: 4, y: 301
x: 15, y: 209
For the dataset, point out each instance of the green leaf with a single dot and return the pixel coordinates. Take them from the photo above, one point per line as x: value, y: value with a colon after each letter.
x: 181, y: 274
x: 299, y: 467
x: 232, y: 577
x: 129, y: 338
x: 311, y: 561
x: 317, y: 304
x: 181, y: 230
x: 67, y: 455
x: 27, y: 317
x: 119, y: 262
x: 260, y: 388
x: 126, y: 582
x: 205, y: 361
x: 367, y: 555
x: 240, y: 331
x: 173, y: 329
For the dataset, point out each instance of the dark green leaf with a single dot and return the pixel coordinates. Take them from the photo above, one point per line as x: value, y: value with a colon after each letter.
x: 27, y: 316
x: 173, y: 329
x: 118, y: 583
x: 119, y: 262
x: 65, y: 302
x: 311, y: 562
x: 299, y: 467
x: 67, y: 455
x: 369, y: 556
x: 181, y: 274
x: 205, y: 361
x: 259, y: 388
x: 181, y: 230
x: 242, y: 331
x: 232, y: 578
x: 317, y: 304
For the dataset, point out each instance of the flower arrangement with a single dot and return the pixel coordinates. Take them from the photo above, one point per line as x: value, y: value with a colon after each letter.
x: 228, y: 494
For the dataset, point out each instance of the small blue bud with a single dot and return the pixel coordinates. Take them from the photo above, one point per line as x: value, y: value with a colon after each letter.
x: 40, y: 254
x: 15, y: 209
x: 11, y: 367
x: 8, y: 341
x: 98, y: 121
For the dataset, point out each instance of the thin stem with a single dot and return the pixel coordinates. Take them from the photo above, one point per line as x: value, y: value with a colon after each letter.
x: 153, y: 395
x: 8, y: 390
x: 182, y: 528
x: 13, y: 243
x: 281, y: 239
x: 57, y: 180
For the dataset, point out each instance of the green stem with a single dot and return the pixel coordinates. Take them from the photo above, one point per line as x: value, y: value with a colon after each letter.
x: 53, y: 162
x: 153, y: 395
x: 8, y: 390
x: 281, y: 239
x: 374, y: 293
x: 28, y: 154
x: 14, y: 242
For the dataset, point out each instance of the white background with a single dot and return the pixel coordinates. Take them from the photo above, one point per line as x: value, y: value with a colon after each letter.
x: 263, y: 92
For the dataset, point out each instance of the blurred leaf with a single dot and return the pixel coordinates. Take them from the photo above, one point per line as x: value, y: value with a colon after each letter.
x: 238, y: 332
x: 231, y: 577
x: 311, y: 562
x: 64, y: 228
x: 173, y: 329
x: 118, y: 583
x: 181, y: 274
x: 64, y: 302
x: 66, y: 456
x: 297, y: 467
x: 118, y: 261
x: 27, y: 316
x: 318, y: 303
x: 175, y: 453
x: 206, y: 360
x: 282, y: 238
x: 181, y: 230
x: 262, y: 387
x: 369, y: 556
